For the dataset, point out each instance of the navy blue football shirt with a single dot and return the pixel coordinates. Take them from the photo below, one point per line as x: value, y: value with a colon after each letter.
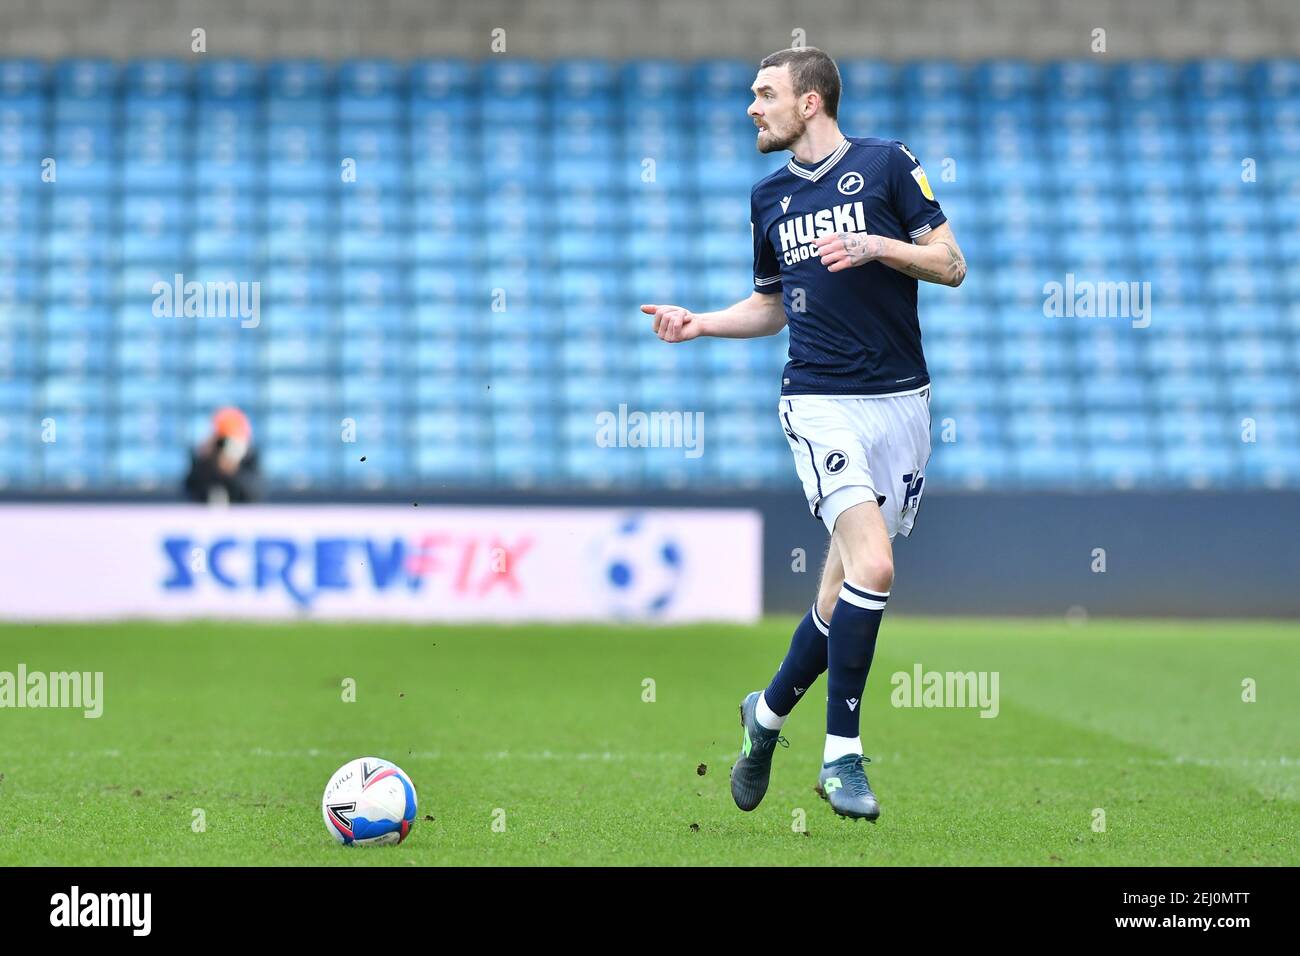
x: 853, y: 332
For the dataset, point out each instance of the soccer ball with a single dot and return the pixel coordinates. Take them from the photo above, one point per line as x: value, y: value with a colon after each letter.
x: 369, y: 802
x: 640, y: 568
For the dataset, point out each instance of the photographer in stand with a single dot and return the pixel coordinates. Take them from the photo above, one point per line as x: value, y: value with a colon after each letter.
x: 224, y: 469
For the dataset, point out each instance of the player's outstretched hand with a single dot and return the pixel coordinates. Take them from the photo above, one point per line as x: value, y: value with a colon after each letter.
x: 672, y: 323
x: 844, y: 250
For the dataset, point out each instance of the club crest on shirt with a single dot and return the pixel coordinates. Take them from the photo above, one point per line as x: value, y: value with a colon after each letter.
x: 850, y: 183
x: 835, y: 462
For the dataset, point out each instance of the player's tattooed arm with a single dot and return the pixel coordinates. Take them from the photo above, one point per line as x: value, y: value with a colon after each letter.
x: 935, y: 257
x: 942, y: 246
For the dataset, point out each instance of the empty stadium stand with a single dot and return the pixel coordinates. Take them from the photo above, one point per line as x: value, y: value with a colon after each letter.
x: 450, y: 254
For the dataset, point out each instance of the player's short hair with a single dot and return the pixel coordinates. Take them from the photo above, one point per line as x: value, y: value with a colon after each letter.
x: 810, y: 70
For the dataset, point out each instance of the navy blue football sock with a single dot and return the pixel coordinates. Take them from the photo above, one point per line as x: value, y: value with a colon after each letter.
x: 852, y: 644
x: 805, y: 660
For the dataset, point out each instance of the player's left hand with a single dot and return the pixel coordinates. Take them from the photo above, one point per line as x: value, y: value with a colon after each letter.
x: 844, y: 250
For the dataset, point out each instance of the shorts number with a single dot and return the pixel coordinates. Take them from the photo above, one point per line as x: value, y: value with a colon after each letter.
x: 913, y: 483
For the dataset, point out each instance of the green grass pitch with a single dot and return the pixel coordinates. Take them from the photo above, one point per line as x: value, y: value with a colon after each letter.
x: 545, y: 728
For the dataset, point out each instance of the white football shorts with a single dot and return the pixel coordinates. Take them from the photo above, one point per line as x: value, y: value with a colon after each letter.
x: 850, y: 449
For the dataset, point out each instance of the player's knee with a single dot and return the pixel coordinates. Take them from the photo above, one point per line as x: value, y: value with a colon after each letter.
x: 880, y: 574
x: 873, y: 572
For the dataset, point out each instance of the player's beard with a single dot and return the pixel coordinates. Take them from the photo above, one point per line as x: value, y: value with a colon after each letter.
x: 772, y: 141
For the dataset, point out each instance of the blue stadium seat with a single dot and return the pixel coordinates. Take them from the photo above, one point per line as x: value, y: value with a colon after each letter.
x: 1060, y: 467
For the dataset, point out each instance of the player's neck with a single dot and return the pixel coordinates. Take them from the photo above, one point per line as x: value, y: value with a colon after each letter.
x: 817, y: 143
